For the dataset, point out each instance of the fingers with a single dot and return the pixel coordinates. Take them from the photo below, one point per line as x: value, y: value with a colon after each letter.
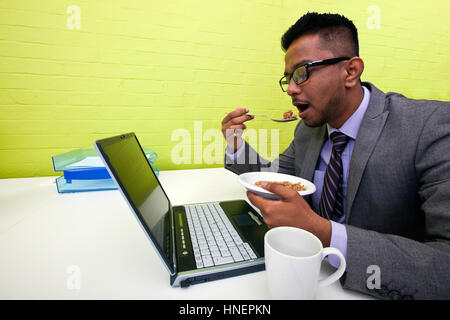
x: 268, y: 208
x: 235, y: 120
x: 284, y: 192
x: 233, y: 127
x: 257, y: 201
x: 235, y: 113
x: 290, y: 210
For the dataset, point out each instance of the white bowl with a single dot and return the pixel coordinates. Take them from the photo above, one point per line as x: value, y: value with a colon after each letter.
x: 248, y: 181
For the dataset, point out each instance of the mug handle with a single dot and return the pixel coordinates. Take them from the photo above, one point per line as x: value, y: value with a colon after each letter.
x: 339, y: 272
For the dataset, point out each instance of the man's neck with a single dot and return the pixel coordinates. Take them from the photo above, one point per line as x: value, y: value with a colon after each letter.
x: 352, y: 100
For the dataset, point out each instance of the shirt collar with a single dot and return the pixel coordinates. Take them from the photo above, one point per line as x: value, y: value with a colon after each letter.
x: 351, y: 127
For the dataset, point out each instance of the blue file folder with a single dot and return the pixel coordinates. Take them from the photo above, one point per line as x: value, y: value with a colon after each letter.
x: 83, y: 171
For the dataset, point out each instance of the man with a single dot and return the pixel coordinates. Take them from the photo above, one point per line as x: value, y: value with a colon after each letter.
x: 380, y: 162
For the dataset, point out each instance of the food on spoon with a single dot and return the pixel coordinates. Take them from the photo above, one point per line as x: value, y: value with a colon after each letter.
x: 289, y: 115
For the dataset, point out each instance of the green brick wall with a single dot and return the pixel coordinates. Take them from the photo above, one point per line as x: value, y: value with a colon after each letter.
x: 169, y: 70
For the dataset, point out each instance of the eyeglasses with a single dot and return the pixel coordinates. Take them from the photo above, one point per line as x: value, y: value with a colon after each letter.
x: 301, y: 73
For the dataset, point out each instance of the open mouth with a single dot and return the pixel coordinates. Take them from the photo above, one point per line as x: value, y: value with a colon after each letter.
x: 302, y: 106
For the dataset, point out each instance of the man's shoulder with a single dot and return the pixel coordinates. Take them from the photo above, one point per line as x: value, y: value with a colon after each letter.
x: 398, y: 103
x: 394, y: 99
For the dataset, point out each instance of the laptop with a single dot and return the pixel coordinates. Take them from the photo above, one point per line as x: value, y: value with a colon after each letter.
x: 196, y: 242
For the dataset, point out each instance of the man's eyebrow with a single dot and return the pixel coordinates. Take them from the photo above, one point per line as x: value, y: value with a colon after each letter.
x: 298, y: 64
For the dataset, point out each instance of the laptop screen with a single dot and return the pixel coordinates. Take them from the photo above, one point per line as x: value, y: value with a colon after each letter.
x: 139, y: 184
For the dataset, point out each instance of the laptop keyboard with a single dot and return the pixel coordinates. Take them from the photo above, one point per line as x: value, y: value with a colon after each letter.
x: 214, y: 239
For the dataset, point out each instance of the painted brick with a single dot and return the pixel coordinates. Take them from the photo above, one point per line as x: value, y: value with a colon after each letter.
x: 155, y: 67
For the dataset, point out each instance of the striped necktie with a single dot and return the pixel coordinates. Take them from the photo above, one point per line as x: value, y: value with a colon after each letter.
x: 331, y: 205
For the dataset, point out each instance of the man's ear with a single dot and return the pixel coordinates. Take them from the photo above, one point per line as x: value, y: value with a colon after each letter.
x: 354, y: 69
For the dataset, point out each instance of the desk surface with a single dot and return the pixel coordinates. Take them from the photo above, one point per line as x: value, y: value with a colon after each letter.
x: 89, y: 245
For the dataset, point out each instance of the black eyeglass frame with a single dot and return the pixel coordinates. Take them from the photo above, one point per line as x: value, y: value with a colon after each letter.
x: 308, y: 65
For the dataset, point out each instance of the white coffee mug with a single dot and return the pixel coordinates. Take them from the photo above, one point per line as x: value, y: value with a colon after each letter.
x: 293, y: 259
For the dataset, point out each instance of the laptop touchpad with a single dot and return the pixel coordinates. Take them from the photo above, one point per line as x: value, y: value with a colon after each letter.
x: 243, y: 220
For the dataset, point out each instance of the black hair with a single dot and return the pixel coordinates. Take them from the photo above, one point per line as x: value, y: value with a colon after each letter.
x: 338, y: 32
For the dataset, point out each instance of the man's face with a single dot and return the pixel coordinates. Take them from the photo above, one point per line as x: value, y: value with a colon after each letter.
x: 318, y: 99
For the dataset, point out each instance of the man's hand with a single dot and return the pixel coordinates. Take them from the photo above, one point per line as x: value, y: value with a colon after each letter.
x: 233, y: 126
x: 291, y: 210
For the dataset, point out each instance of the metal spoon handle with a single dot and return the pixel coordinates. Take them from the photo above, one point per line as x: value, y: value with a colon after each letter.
x: 263, y: 115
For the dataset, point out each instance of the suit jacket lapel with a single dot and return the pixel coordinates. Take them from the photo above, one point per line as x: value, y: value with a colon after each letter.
x: 371, y: 127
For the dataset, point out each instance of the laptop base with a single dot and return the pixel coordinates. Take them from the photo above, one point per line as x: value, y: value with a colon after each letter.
x: 215, y: 276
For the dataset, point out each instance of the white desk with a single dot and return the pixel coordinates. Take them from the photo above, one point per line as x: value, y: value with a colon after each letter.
x: 50, y: 243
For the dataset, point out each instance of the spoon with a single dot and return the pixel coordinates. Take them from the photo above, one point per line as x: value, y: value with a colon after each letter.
x: 276, y: 120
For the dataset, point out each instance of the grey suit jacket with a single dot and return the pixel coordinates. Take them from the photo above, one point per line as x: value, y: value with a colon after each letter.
x: 398, y: 195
